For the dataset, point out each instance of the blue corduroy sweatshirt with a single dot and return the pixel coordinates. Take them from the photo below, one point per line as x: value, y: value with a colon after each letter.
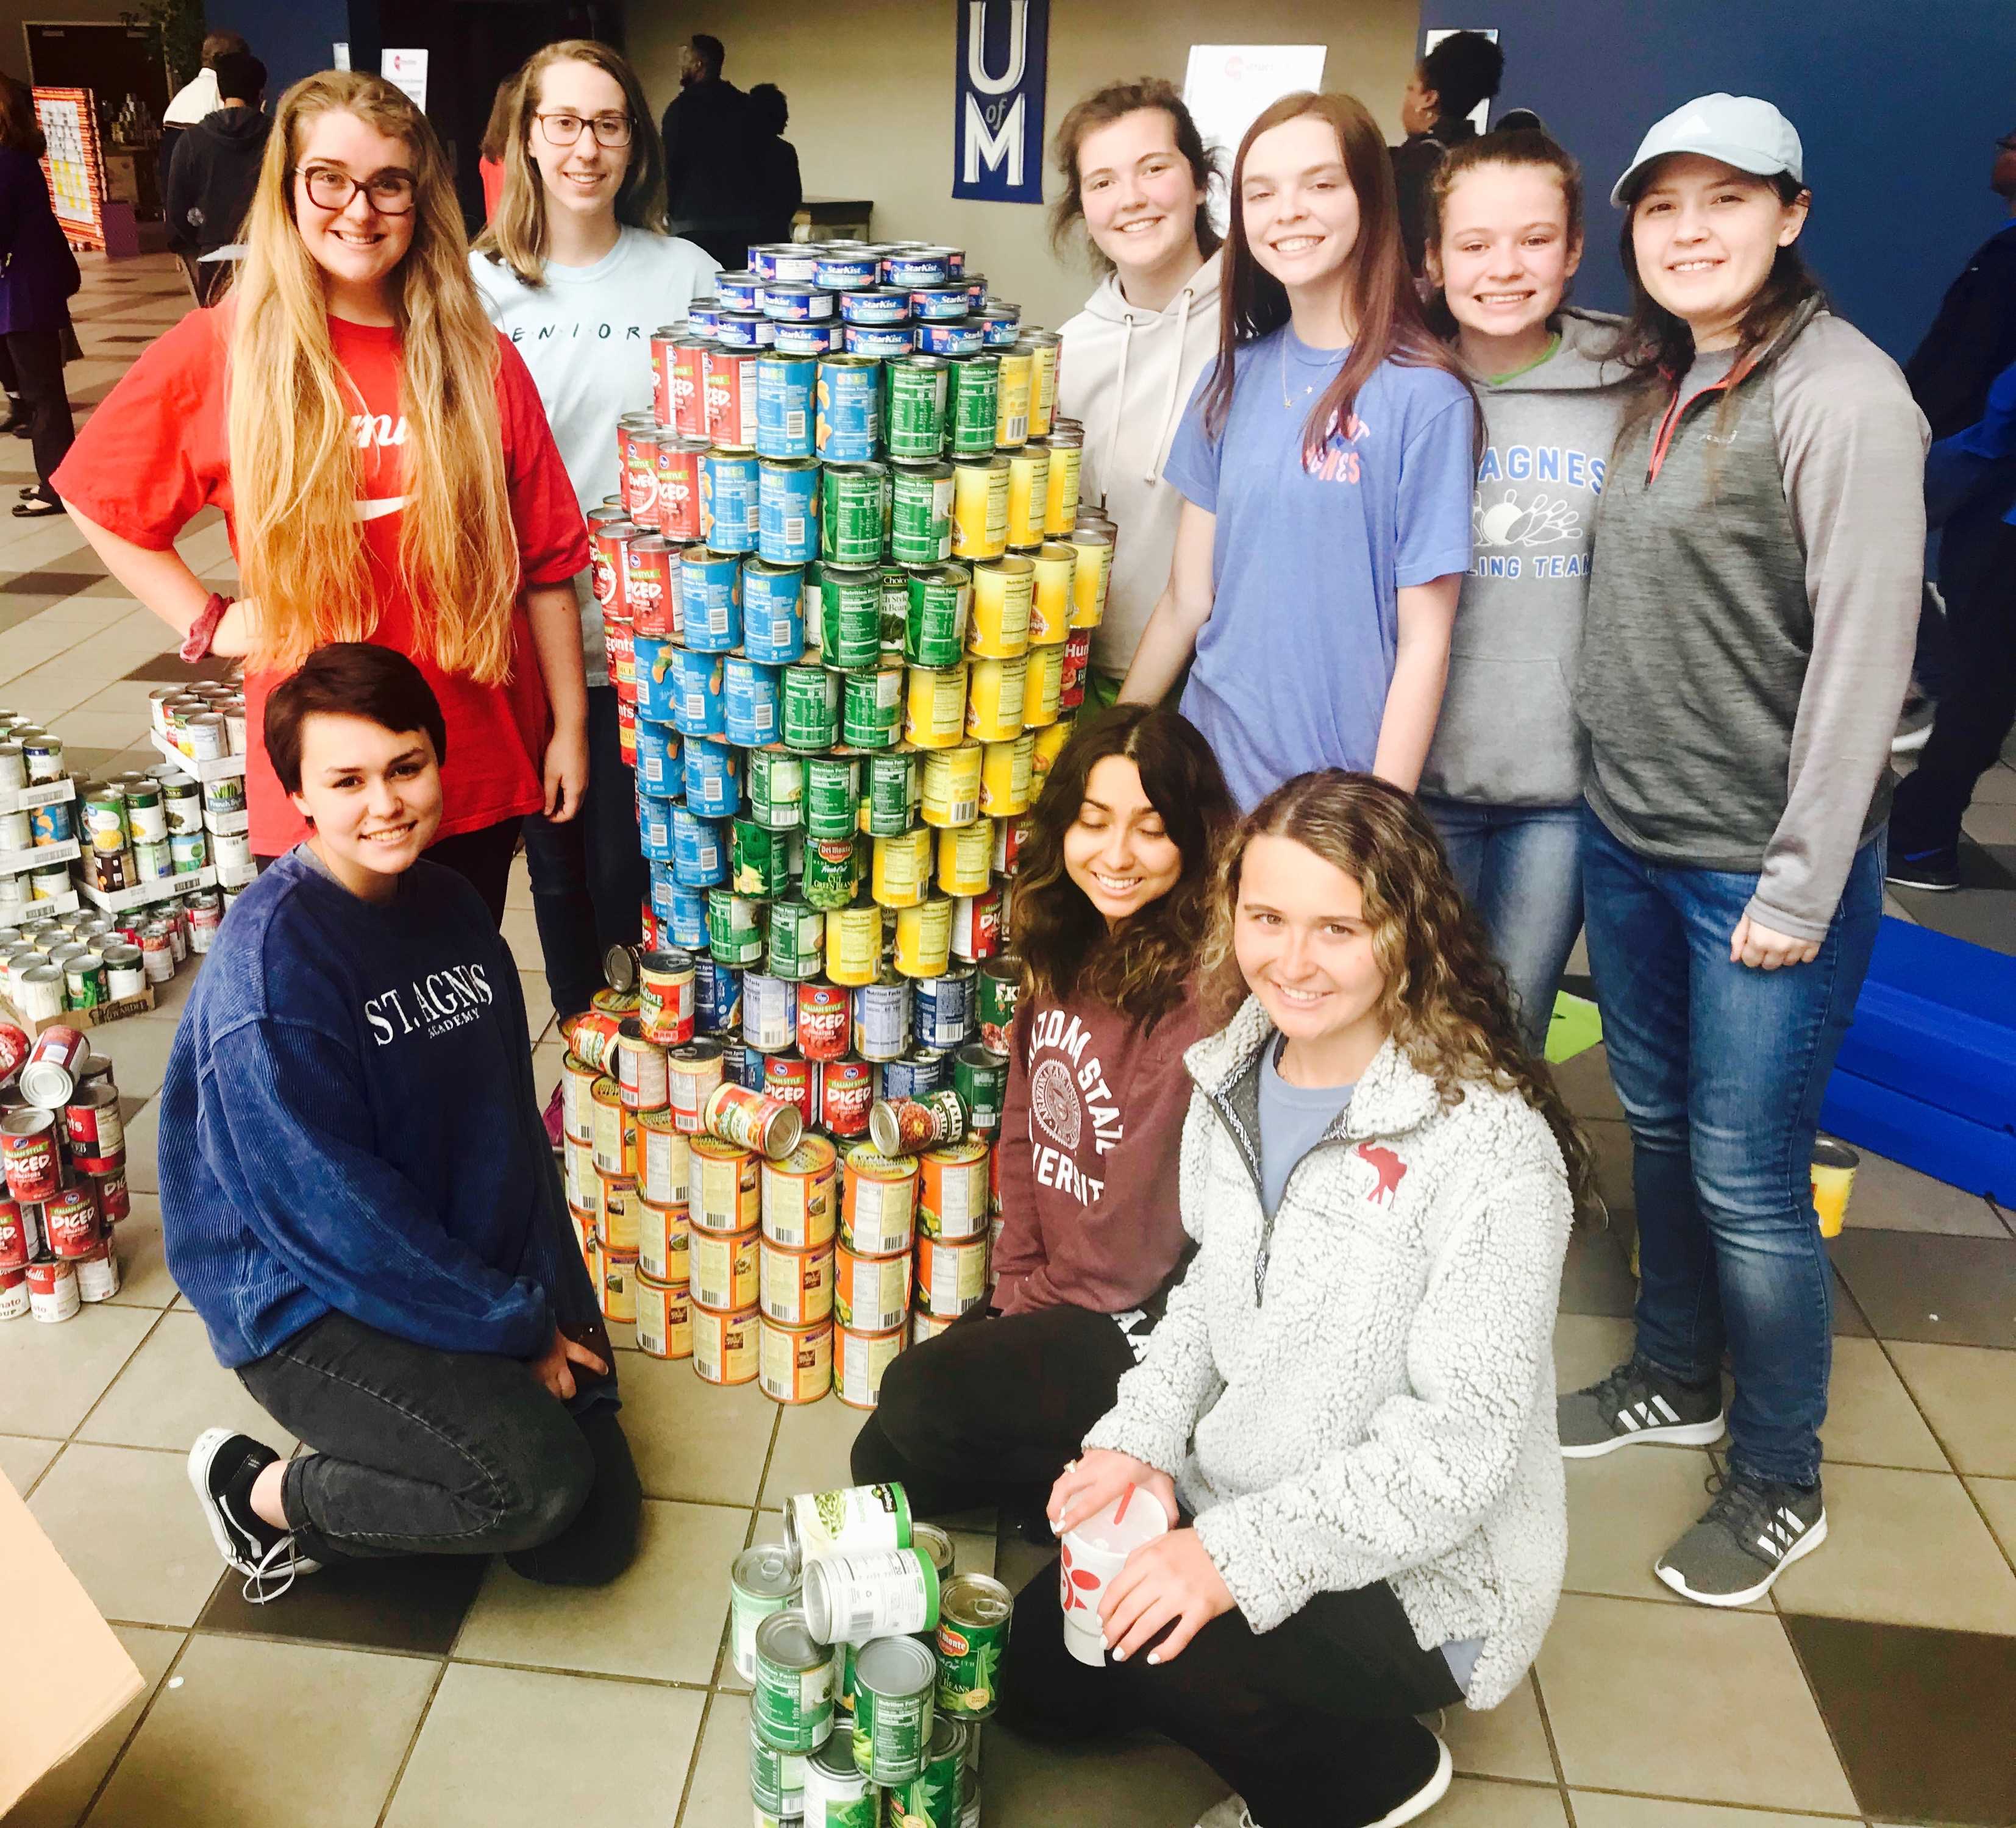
x: 348, y: 1123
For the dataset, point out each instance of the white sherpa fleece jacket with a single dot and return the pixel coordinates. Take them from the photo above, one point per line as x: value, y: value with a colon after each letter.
x: 1364, y: 1391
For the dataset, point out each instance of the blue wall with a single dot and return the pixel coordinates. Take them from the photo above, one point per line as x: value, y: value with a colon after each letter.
x: 293, y: 39
x: 1899, y: 103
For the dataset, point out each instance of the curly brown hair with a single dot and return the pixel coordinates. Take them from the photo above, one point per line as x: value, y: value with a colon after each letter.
x: 1445, y: 1003
x: 1143, y: 969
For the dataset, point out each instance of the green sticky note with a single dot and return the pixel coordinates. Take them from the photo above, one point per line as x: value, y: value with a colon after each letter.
x: 1576, y: 1027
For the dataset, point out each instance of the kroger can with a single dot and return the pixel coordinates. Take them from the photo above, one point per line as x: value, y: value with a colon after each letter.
x: 849, y: 421
x: 921, y: 1072
x: 1007, y: 775
x: 773, y: 623
x: 750, y: 703
x: 784, y: 405
x: 811, y: 708
x: 846, y: 1096
x: 763, y: 1581
x: 1045, y: 347
x: 916, y: 388
x: 730, y: 486
x: 824, y: 1020
x: 679, y: 462
x: 951, y: 1277
x: 792, y: 1707
x: 787, y: 510
x: 710, y: 598
x: 896, y: 1682
x: 730, y: 379
x: 889, y: 803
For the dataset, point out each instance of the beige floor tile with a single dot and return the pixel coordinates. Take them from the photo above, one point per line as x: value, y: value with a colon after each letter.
x: 547, y: 1059
x: 1871, y: 1419
x: 51, y: 1376
x: 1627, y: 1509
x: 90, y: 729
x: 538, y: 1002
x: 972, y: 1551
x: 663, y: 1620
x: 144, y: 1280
x: 521, y: 934
x: 1905, y: 1549
x: 1585, y: 1082
x: 60, y: 1798
x: 718, y: 1793
x: 487, y: 1752
x: 690, y: 1440
x: 126, y: 1521
x: 811, y: 1453
x: 1474, y: 1803
x: 1889, y: 1196
x: 1969, y: 1395
x: 1144, y: 1780
x: 1735, y: 1721
x: 1997, y: 1497
x: 172, y: 1390
x: 518, y: 891
x: 23, y: 1459
x: 262, y: 1733
x: 138, y: 1048
x: 1589, y: 1346
x: 1593, y: 1809
x: 142, y: 1131
x: 1507, y: 1740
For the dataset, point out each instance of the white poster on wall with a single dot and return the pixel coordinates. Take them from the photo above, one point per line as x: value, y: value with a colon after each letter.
x: 1226, y: 86
x: 339, y: 55
x: 407, y: 69
x: 1480, y: 116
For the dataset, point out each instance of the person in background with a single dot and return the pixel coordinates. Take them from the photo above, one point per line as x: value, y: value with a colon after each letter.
x: 1462, y: 70
x: 1504, y: 775
x: 1752, y: 608
x: 383, y: 463
x: 1326, y: 463
x: 710, y: 168
x: 1110, y: 908
x: 780, y: 190
x: 1137, y: 174
x: 215, y: 169
x: 357, y: 1196
x: 490, y: 155
x: 195, y: 100
x: 38, y: 273
x: 1346, y: 1413
x: 577, y: 270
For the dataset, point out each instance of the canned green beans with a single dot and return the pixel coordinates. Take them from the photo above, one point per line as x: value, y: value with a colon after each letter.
x: 932, y: 1797
x: 811, y: 707
x: 760, y: 860
x: 792, y: 1704
x: 920, y: 512
x: 797, y: 940
x: 974, y: 1613
x: 853, y: 514
x: 776, y: 788
x: 975, y: 405
x: 763, y: 1581
x: 916, y: 388
x: 832, y: 796
x: 776, y: 1779
x: 837, y: 1794
x: 895, y: 1683
x: 940, y: 599
x: 850, y: 615
x: 894, y: 793
x: 872, y: 708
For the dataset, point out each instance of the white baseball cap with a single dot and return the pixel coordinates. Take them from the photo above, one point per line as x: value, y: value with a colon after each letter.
x: 1739, y: 130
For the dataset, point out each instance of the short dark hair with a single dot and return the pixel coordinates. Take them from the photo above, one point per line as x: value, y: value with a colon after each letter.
x: 240, y: 77
x: 1462, y: 70
x: 355, y: 679
x: 768, y: 111
x: 710, y: 50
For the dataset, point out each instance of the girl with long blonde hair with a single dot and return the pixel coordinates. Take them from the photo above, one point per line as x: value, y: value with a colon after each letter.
x: 382, y: 462
x: 1346, y: 1416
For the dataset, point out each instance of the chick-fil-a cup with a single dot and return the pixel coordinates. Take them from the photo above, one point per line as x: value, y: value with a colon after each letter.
x: 1094, y: 1552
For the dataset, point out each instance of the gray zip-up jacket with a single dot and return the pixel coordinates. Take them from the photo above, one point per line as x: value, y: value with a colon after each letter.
x: 1506, y: 735
x: 1751, y: 614
x: 1361, y: 1389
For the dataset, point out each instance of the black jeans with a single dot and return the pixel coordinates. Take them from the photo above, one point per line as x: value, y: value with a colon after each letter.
x: 422, y: 1453
x: 588, y: 875
x: 989, y: 1411
x: 1311, y: 1722
x: 31, y: 365
x: 1977, y: 708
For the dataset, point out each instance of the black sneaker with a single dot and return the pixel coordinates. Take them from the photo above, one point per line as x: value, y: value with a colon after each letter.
x: 1936, y: 871
x: 222, y: 1466
x: 1636, y: 1403
x: 1753, y: 1531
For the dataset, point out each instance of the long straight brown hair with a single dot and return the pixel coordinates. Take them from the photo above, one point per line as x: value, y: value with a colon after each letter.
x: 1379, y: 291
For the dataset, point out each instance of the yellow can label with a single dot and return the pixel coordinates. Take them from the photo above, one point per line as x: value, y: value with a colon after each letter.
x: 878, y: 1202
x: 980, y: 508
x: 993, y: 706
x: 923, y: 939
x: 1053, y: 567
x: 617, y: 1213
x: 1060, y: 509
x: 664, y: 1320
x: 952, y: 786
x: 853, y: 944
x: 725, y: 1270
x: 1006, y: 777
x: 872, y: 1294
x: 902, y: 867
x: 801, y: 1195
x: 1042, y: 700
x: 1043, y: 387
x: 664, y: 1171
x: 966, y: 859
x: 619, y: 1286
x: 934, y: 706
x: 726, y: 1195
x: 1028, y: 494
x: 1011, y: 421
x: 796, y: 1285
x: 795, y: 1363
x: 1089, y: 578
x: 662, y: 1241
x: 1049, y: 745
x: 725, y: 1346
x: 1003, y: 597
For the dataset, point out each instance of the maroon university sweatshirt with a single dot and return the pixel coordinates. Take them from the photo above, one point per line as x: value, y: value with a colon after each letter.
x: 1091, y: 1135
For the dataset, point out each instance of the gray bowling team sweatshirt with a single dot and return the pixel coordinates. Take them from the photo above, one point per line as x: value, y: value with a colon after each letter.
x: 1751, y: 614
x: 1506, y: 735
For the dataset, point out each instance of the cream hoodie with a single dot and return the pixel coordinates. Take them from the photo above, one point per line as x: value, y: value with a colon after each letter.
x: 1127, y: 374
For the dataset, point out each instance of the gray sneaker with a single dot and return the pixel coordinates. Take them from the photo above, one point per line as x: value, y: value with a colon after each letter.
x: 1637, y: 1403
x: 1752, y: 1532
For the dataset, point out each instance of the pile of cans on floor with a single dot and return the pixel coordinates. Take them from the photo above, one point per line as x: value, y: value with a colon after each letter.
x: 37, y: 836
x: 871, y: 1663
x: 69, y: 963
x: 62, y: 1150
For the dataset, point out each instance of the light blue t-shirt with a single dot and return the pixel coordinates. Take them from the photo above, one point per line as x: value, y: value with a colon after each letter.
x: 1293, y: 667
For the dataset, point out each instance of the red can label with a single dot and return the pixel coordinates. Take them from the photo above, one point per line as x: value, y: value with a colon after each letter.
x: 112, y: 1199
x: 846, y: 1092
x: 647, y: 587
x: 731, y: 404
x: 661, y: 378
x: 92, y: 1120
x: 13, y: 1050
x: 606, y: 565
x: 789, y: 1082
x: 825, y: 1020
x: 29, y: 1157
x: 678, y: 490
x: 71, y: 1217
x: 639, y: 480
x: 688, y: 417
x: 14, y: 1252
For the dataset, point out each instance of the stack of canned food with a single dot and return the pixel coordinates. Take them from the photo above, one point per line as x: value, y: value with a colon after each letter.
x: 872, y: 1663
x: 85, y: 960
x: 150, y: 826
x: 30, y: 756
x: 62, y: 1150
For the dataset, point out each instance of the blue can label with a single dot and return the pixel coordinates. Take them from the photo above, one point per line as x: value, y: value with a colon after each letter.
x: 880, y: 340
x: 848, y: 424
x: 788, y: 514
x: 729, y: 485
x: 741, y: 329
x: 784, y: 406
x: 790, y: 301
x: 654, y: 828
x: 659, y: 768
x: 750, y: 704
x: 710, y: 598
x: 700, y: 857
x: 763, y: 260
x: 847, y: 272
x: 943, y: 1012
x: 814, y: 336
x: 713, y: 777
x: 881, y: 304
x: 938, y: 304
x: 716, y: 996
x: 773, y: 622
x: 703, y: 316
x: 966, y: 338
x: 912, y: 270
x: 737, y: 291
x: 918, y: 1075
x: 697, y: 706
x: 657, y: 694
x: 740, y: 1063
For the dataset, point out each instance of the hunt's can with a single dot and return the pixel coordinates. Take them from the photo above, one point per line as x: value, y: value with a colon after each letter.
x: 773, y: 625
x: 851, y: 615
x: 725, y: 1192
x: 847, y: 1521
x: 965, y: 858
x: 980, y: 1077
x: 723, y: 1345
x: 854, y: 944
x: 993, y: 706
x: 857, y: 1597
x: 878, y: 1202
x: 915, y: 1125
x: 729, y: 377
x: 792, y: 1707
x: 890, y: 802
x: 923, y: 938
x: 872, y: 707
x: 664, y: 1239
x: 882, y: 1021
x: 832, y: 873
x: 849, y: 421
x: 974, y: 1614
x: 811, y: 708
x: 938, y: 605
x: 760, y: 861
x: 1003, y: 593
x: 974, y: 407
x: 665, y: 992
x: 693, y: 1070
x: 729, y: 501
x: 951, y: 1277
x: 784, y: 405
x: 665, y: 1318
x: 763, y: 1581
x: 933, y: 1797
x: 951, y: 789
x: 901, y: 874
x: 753, y: 1120
x: 797, y: 940
x: 1090, y: 576
x: 846, y: 1092
x: 935, y: 707
x: 854, y: 512
x: 734, y: 928
x: 776, y: 1779
x: 776, y: 788
x: 915, y: 387
x: 822, y: 1020
x: 725, y: 1268
x: 787, y: 510
x: 768, y: 1003
x: 979, y: 507
x: 837, y: 1794
x: 1000, y: 991
x: 895, y: 1680
x: 859, y: 1358
x: 799, y: 1199
x: 794, y: 1364
x: 920, y: 497
x: 945, y: 1013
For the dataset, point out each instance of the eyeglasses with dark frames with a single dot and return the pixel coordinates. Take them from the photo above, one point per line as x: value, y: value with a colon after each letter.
x: 390, y: 192
x: 562, y: 129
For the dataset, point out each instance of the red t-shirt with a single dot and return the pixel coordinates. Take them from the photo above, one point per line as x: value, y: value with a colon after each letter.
x: 158, y: 449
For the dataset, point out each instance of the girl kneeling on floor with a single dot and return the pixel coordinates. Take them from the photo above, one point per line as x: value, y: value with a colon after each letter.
x: 1348, y: 1405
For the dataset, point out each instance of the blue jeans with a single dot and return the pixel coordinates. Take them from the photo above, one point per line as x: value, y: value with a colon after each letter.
x: 1721, y: 1070
x: 1521, y: 868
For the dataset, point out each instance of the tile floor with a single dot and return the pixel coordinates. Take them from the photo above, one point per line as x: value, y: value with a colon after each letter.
x: 1876, y: 1685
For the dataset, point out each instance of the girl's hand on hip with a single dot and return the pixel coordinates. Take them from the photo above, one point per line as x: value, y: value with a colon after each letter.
x: 1764, y: 948
x: 566, y: 774
x: 1170, y: 1582
x: 1087, y: 1485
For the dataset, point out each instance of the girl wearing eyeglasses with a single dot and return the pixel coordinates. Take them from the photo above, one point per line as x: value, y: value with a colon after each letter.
x: 383, y: 463
x: 576, y: 269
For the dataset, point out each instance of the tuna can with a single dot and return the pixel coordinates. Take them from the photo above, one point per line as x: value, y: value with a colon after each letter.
x: 788, y: 1078
x: 854, y: 512
x: 854, y: 944
x: 912, y: 1126
x: 753, y: 1120
x: 725, y: 1195
x: 663, y: 1239
x: 640, y: 1069
x: 855, y: 1598
x: 848, y: 427
x: 979, y: 921
x: 704, y: 316
x: 724, y: 1268
x: 876, y: 304
x: 723, y: 1345
x: 913, y: 267
x: 951, y: 789
x: 938, y: 600
x: 979, y: 507
x: 935, y: 706
x: 850, y: 615
x: 918, y: 1074
x: 790, y: 301
x: 811, y: 708
x: 962, y: 338
x: 923, y: 938
x: 859, y: 1359
x: 710, y: 603
x: 773, y: 629
x: 832, y: 796
x: 787, y: 260
x: 846, y: 1092
x: 1042, y: 697
x: 878, y: 1202
x: 1007, y: 775
x: 895, y: 1680
x: 764, y: 1580
x: 776, y: 789
x: 665, y: 995
x: 1011, y: 422
x: 693, y: 1070
x: 916, y: 388
x: 807, y: 336
x: 792, y: 1707
x: 953, y: 1191
x: 1066, y: 459
x: 619, y: 1293
x: 768, y: 1005
x: 797, y: 940
x: 882, y: 1020
x: 994, y: 705
x: 800, y: 1198
x: 894, y: 793
x: 729, y: 373
x: 759, y: 860
x: 933, y: 1796
x: 787, y: 510
x: 1093, y: 545
x: 966, y: 858
x: 678, y: 462
x: 951, y: 1277
x: 920, y: 512
x: 974, y: 407
x: 794, y: 1364
x: 881, y: 342
x: 822, y: 1020
x: 734, y: 928
x: 730, y: 500
x: 53, y: 1291
x: 902, y: 871
x: 872, y: 707
x: 837, y: 1794
x: 700, y: 859
x: 737, y: 291
x: 847, y: 272
x: 871, y: 1294
x: 716, y: 996
x: 1000, y: 991
x: 939, y: 304
x: 658, y: 768
x: 1003, y: 591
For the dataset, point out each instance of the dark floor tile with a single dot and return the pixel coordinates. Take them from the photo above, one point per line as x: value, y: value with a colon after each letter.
x: 1923, y: 1719
x: 1584, y: 1083
x: 1579, y: 984
x: 170, y: 667
x: 126, y: 337
x: 50, y: 581
x: 1849, y: 1321
x: 413, y: 1604
x: 1984, y: 910
x: 1597, y: 1277
x: 1946, y: 1291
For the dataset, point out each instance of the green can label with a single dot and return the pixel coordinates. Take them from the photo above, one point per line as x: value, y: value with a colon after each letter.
x: 850, y: 617
x: 833, y: 872
x: 776, y: 1779
x: 761, y: 861
x: 895, y: 612
x: 833, y: 789
x: 916, y: 415
x: 894, y: 791
x: 734, y: 928
x: 890, y: 1734
x: 871, y: 711
x: 776, y: 788
x: 976, y: 404
x: 928, y: 1802
x: 811, y: 708
x: 940, y: 599
x: 980, y: 1078
x: 855, y: 513
x: 974, y: 1614
x: 921, y: 513
x: 798, y: 940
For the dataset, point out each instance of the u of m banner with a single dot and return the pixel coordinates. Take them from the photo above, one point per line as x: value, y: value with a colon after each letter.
x: 998, y: 97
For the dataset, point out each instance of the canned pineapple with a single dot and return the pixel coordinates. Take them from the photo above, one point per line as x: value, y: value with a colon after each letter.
x: 980, y: 508
x: 1028, y: 494
x: 1042, y: 695
x: 952, y: 786
x: 854, y: 944
x: 1007, y: 773
x: 923, y: 938
x: 900, y: 876
x: 966, y: 858
x: 1090, y: 575
x: 1003, y: 592
x: 1061, y: 505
